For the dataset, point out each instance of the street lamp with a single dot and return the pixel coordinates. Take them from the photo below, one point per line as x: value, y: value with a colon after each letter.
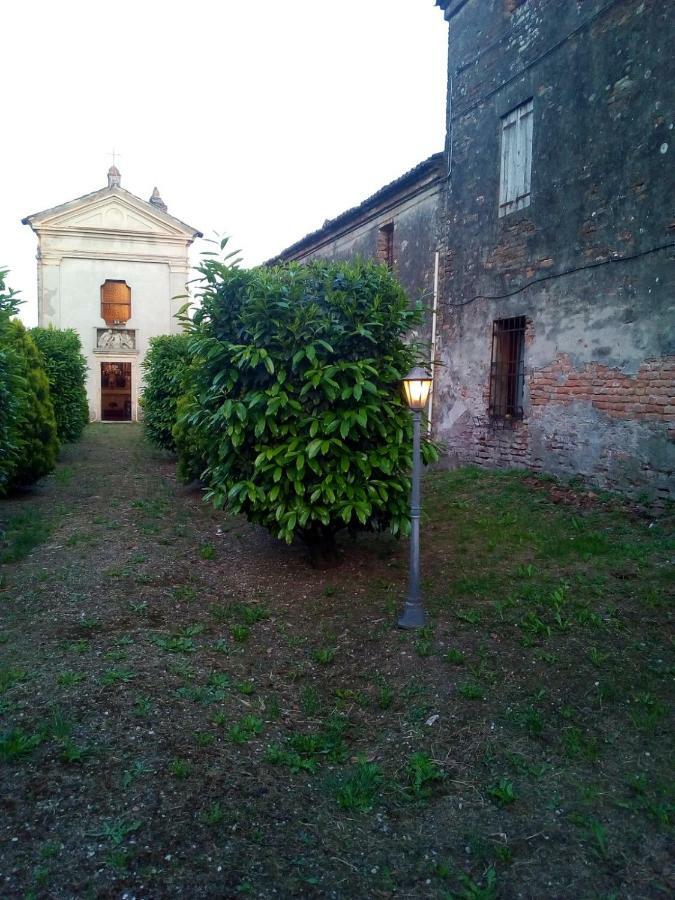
x: 416, y: 387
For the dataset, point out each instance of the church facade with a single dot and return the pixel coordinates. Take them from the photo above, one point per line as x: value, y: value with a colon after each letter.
x: 113, y: 267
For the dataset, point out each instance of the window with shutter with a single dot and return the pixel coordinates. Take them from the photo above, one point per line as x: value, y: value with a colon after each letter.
x: 115, y: 302
x: 516, y: 165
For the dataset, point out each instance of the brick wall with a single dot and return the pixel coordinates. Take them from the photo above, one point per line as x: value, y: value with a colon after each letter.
x: 648, y: 396
x: 589, y: 262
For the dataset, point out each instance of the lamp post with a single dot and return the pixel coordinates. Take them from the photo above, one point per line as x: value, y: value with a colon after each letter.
x: 416, y: 386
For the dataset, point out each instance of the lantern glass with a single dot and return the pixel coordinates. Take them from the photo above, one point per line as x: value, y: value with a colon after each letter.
x: 416, y: 387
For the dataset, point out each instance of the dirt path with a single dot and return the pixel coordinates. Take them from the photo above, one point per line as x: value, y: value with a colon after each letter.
x: 132, y: 599
x: 187, y: 709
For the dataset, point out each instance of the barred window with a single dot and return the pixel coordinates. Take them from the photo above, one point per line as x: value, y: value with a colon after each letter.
x: 115, y: 302
x: 516, y: 167
x: 507, y: 368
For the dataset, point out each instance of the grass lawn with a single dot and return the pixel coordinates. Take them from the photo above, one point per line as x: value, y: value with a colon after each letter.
x: 187, y: 709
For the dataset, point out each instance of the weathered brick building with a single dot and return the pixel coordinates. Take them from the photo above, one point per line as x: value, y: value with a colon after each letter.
x: 553, y: 340
x: 560, y: 204
x: 400, y: 225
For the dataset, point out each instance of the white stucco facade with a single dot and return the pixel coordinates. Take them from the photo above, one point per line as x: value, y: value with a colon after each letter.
x: 111, y: 235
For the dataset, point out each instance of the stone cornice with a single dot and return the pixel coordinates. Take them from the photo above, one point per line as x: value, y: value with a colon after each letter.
x: 115, y: 353
x: 52, y: 257
x: 115, y: 234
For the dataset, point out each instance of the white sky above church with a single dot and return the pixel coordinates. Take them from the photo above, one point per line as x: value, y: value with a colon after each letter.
x: 255, y: 119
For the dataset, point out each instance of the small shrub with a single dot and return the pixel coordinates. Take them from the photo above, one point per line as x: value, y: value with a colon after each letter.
x: 190, y: 442
x: 66, y: 370
x: 165, y: 366
x: 10, y: 384
x: 34, y: 440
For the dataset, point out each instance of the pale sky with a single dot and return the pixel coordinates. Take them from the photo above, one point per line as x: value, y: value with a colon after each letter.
x: 255, y: 118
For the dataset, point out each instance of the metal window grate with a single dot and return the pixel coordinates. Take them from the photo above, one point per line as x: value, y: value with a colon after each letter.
x: 507, y: 369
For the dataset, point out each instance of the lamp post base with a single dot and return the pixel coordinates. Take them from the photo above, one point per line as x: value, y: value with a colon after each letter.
x: 413, y: 615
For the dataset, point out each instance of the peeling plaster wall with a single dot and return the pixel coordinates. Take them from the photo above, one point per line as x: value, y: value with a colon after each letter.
x: 416, y: 239
x: 600, y: 344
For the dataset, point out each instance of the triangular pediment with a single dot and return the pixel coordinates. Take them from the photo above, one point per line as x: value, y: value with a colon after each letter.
x: 111, y: 209
x: 112, y: 213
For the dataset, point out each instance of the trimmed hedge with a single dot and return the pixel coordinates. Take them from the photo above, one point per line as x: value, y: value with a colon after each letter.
x: 165, y: 364
x: 33, y: 428
x: 191, y: 443
x: 66, y: 369
x: 10, y: 383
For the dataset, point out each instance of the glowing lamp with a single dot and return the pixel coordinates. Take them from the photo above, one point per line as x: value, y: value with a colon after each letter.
x: 416, y: 387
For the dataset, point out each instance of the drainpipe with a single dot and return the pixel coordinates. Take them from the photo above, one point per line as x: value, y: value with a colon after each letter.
x: 432, y: 355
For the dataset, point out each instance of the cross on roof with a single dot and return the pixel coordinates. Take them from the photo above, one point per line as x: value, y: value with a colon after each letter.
x: 114, y: 154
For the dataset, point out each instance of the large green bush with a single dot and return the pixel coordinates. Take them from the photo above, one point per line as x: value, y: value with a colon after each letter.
x: 165, y: 366
x: 191, y: 441
x: 66, y: 369
x: 294, y: 397
x: 33, y: 428
x: 10, y: 384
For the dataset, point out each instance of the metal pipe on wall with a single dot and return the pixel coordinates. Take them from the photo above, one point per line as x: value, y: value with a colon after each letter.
x: 432, y: 354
